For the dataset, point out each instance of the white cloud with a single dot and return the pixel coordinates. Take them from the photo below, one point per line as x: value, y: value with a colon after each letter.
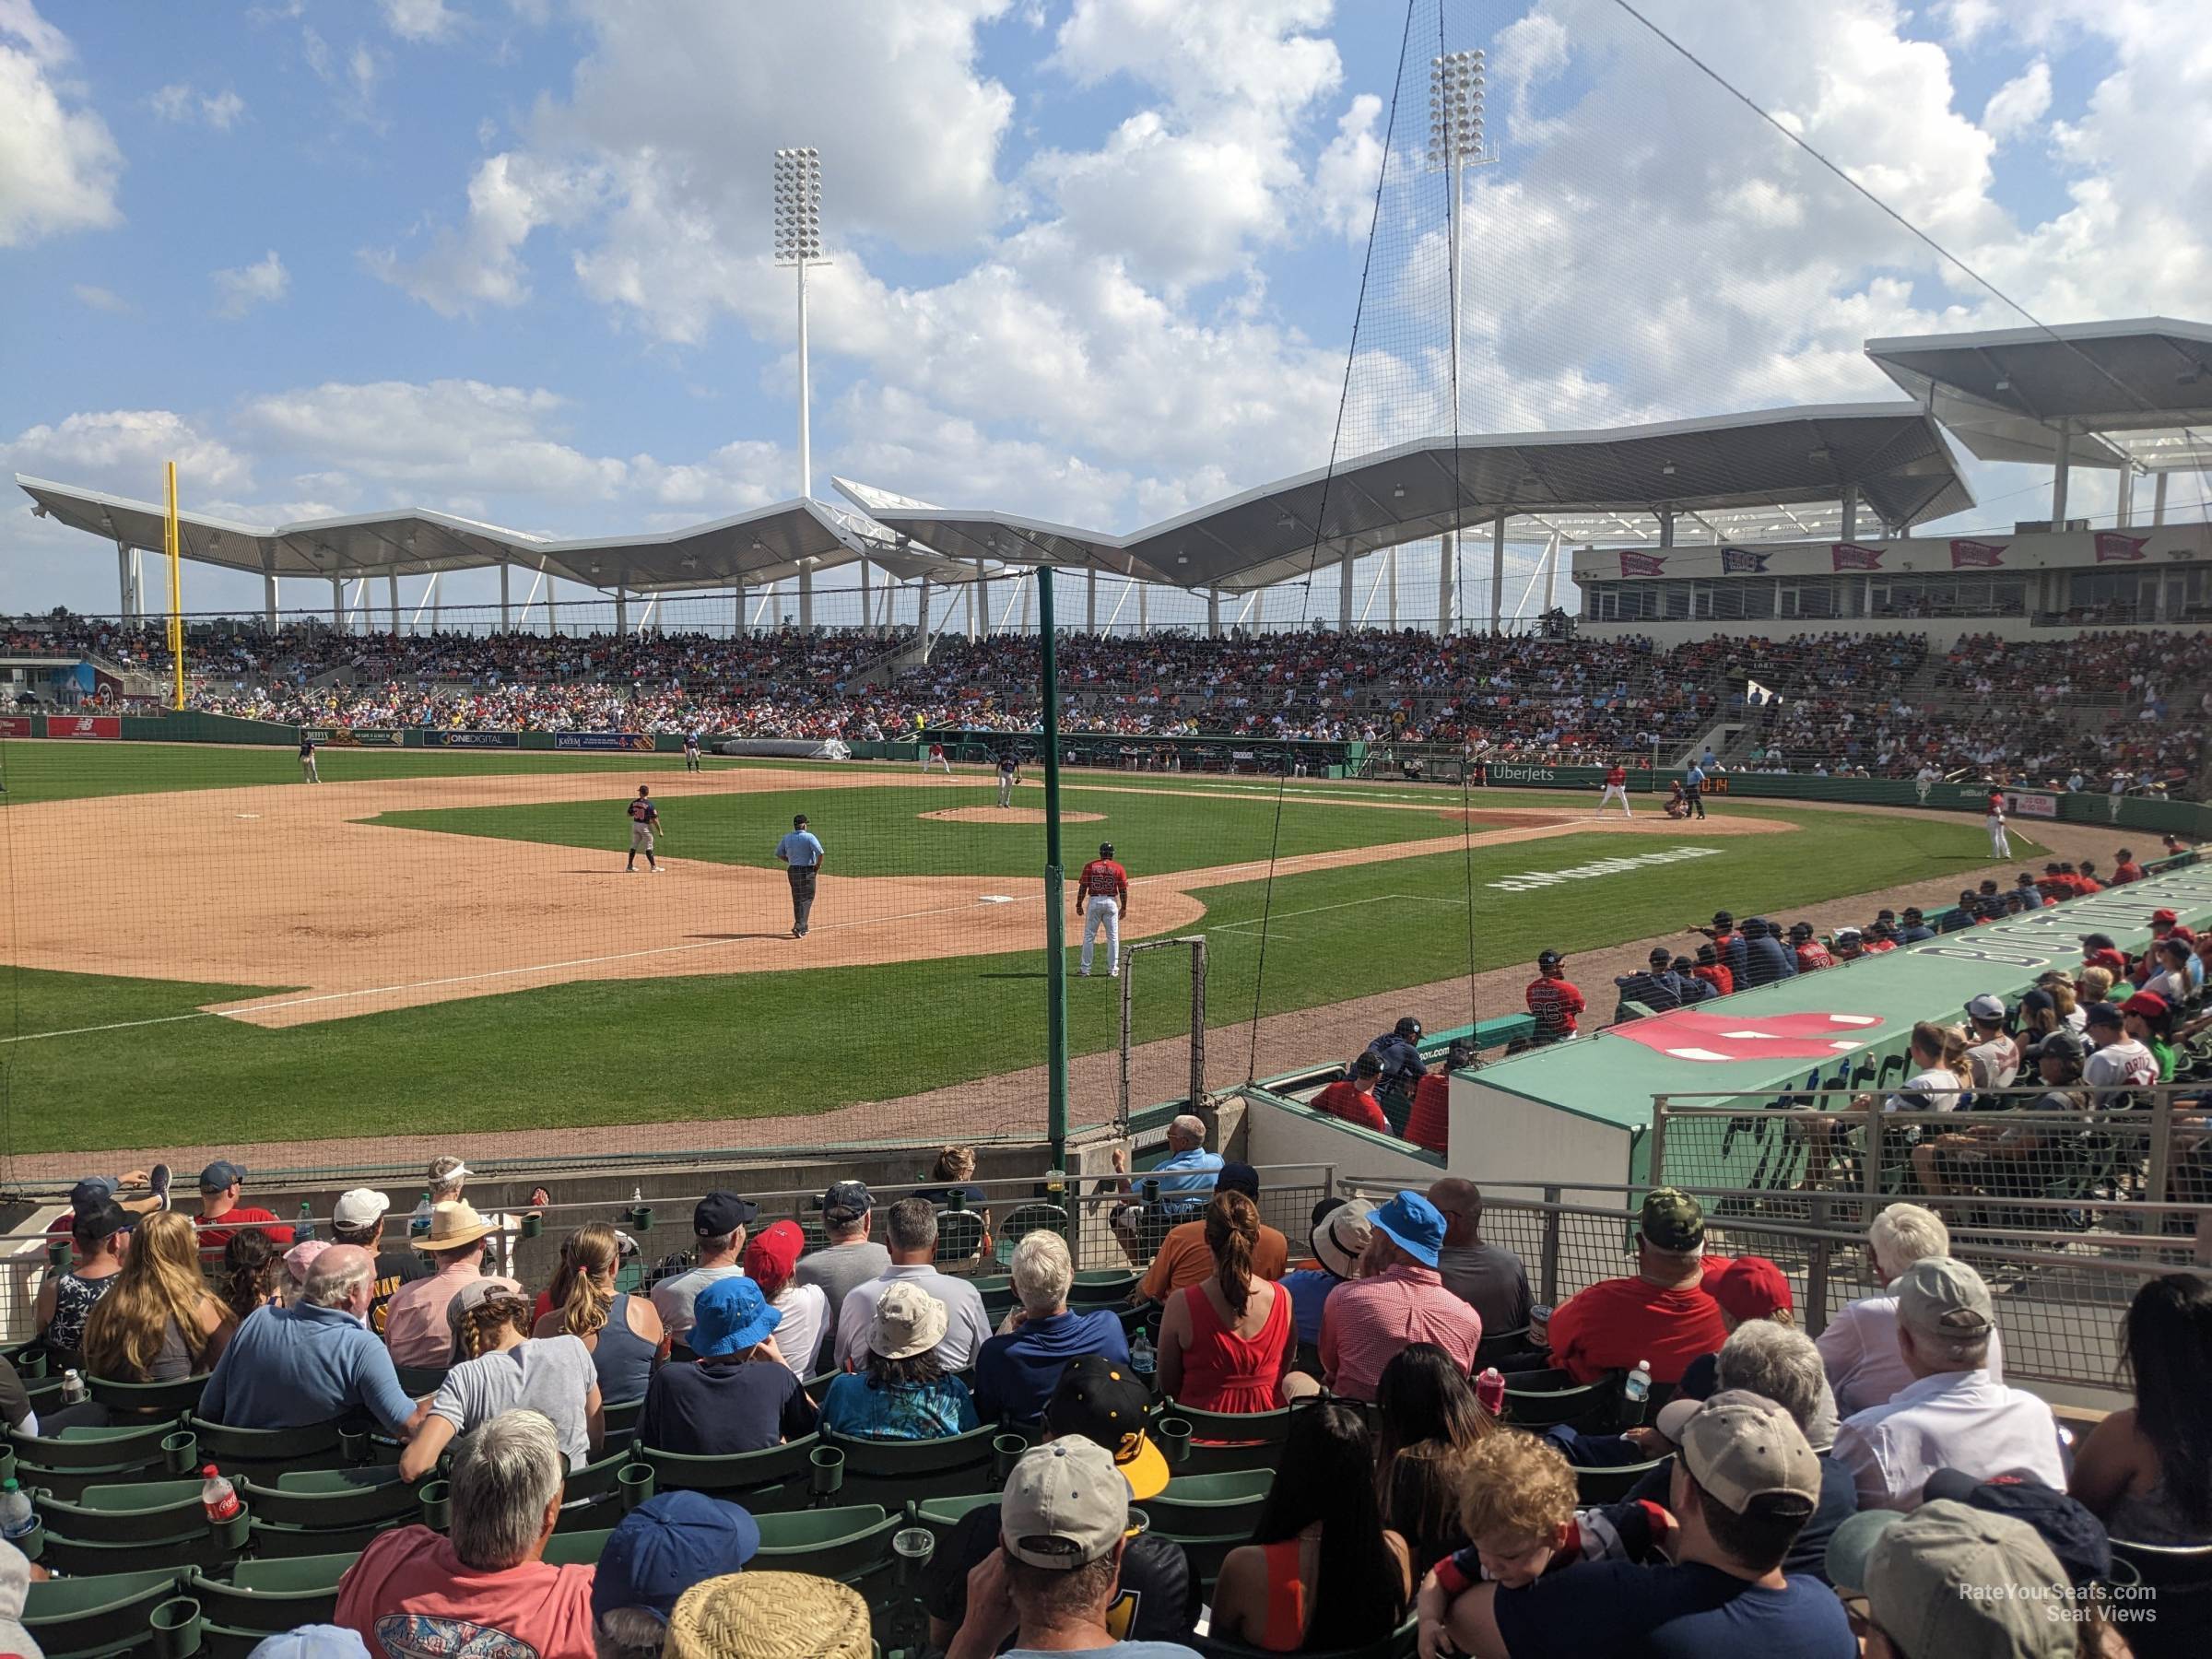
x: 480, y: 263
x: 1350, y: 168
x: 353, y: 82
x: 2019, y: 104
x: 58, y: 161
x: 123, y: 450
x: 419, y: 19
x: 264, y: 282
x: 180, y: 103
x: 103, y: 299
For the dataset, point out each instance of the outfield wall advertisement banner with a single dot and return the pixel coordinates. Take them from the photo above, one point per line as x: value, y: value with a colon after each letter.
x: 634, y: 741
x: 354, y: 737
x: 103, y: 727
x: 17, y: 725
x: 444, y: 739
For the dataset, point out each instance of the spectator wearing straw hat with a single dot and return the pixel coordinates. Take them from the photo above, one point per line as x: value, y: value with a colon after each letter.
x: 770, y: 1615
x: 1156, y: 1597
x: 1399, y: 1299
x: 905, y: 1392
x: 1953, y: 1414
x: 911, y: 1228
x: 483, y: 1586
x: 1064, y: 1526
x: 660, y: 1548
x: 739, y: 1395
x: 415, y: 1325
x: 1338, y: 1239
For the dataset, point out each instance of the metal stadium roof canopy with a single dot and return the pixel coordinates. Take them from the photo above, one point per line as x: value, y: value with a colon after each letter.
x: 2115, y: 392
x: 770, y: 544
x: 1719, y: 470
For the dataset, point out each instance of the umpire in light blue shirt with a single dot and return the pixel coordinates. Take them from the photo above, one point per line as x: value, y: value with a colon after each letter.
x: 290, y: 1367
x: 803, y: 855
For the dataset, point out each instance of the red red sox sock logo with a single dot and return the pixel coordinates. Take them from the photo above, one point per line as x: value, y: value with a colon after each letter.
x: 1686, y: 1034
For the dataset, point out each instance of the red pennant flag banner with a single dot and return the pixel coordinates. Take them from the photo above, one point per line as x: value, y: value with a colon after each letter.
x: 1849, y: 555
x: 2114, y: 549
x: 1643, y: 564
x: 1987, y: 554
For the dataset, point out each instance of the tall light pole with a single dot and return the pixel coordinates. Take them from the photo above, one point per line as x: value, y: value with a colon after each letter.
x: 1455, y: 144
x: 799, y: 244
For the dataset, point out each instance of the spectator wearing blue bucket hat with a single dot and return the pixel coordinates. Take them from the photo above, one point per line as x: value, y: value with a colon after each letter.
x: 738, y: 1395
x: 1399, y: 1298
x: 663, y: 1548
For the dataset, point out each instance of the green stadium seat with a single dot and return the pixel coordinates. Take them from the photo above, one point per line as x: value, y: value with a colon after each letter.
x: 333, y: 1499
x: 30, y: 1358
x: 577, y: 1549
x: 263, y: 1453
x: 128, y: 1526
x: 959, y: 1239
x: 892, y: 1472
x: 593, y: 1493
x: 149, y: 1399
x: 942, y: 1515
x: 1611, y: 1484
x: 1590, y: 1403
x: 1223, y: 1441
x: 2179, y: 1580
x: 1211, y: 1506
x: 1025, y: 1220
x: 421, y: 1379
x: 257, y: 1599
x: 1499, y: 1345
x: 621, y: 1419
x: 66, y: 1464
x: 80, y: 1618
x: 775, y: 1477
x: 846, y: 1542
x: 1101, y: 1288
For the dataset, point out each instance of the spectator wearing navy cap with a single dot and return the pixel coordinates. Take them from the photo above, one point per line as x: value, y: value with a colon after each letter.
x: 94, y: 1191
x: 65, y: 1299
x: 2075, y: 1536
x: 1848, y: 945
x: 851, y: 1258
x: 220, y: 1185
x: 1727, y: 945
x: 718, y: 1221
x: 1766, y: 959
x: 1650, y: 985
x: 663, y: 1548
x: 1399, y: 1298
x: 1912, y: 926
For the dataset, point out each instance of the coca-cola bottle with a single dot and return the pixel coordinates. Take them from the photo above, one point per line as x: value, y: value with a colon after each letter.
x: 218, y: 1496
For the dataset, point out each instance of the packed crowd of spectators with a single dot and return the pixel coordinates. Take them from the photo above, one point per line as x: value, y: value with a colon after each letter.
x: 2040, y: 712
x: 1762, y: 1491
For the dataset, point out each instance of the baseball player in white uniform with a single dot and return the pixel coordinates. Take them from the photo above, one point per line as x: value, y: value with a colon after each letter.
x: 1999, y: 845
x: 1617, y: 789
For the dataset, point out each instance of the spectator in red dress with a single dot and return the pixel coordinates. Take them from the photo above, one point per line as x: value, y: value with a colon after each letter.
x: 220, y: 1185
x: 1553, y: 999
x: 1430, y: 1122
x: 1353, y: 1098
x: 1663, y: 1315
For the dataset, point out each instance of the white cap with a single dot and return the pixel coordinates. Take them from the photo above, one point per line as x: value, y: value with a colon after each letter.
x: 360, y: 1209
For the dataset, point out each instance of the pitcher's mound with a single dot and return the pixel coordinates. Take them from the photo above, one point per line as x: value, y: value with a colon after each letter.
x: 1005, y: 815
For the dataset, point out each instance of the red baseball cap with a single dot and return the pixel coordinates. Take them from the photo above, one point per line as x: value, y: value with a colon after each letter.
x: 2163, y: 915
x: 2148, y: 1004
x: 774, y: 1251
x: 2107, y: 959
x: 1750, y: 1287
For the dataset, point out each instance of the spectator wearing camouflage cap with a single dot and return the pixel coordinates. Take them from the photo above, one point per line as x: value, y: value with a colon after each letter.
x: 1662, y: 1315
x: 1954, y: 1414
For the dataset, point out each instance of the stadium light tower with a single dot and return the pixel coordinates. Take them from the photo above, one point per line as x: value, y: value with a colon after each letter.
x: 1455, y: 144
x: 799, y: 244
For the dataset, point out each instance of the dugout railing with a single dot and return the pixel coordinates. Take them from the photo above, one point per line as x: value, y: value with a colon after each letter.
x: 2059, y: 1296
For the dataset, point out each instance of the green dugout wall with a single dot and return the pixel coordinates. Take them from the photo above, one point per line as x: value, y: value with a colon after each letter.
x: 1586, y: 1104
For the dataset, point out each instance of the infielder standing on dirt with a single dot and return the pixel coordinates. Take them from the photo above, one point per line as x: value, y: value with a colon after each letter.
x: 690, y: 751
x: 1617, y: 789
x: 934, y: 756
x: 309, y: 773
x: 1102, y: 900
x: 1009, y: 773
x: 803, y: 853
x: 645, y: 825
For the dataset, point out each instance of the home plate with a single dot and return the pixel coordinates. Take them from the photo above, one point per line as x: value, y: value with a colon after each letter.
x: 997, y: 899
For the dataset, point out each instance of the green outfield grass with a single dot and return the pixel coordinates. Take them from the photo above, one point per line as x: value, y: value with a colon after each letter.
x: 792, y: 1042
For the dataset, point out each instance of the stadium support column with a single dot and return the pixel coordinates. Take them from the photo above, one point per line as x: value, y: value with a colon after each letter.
x: 1551, y: 573
x: 1090, y: 600
x: 621, y: 611
x: 2157, y: 501
x: 1850, y: 524
x: 1498, y: 574
x: 506, y: 605
x: 807, y: 597
x: 268, y: 601
x: 867, y: 599
x: 1344, y: 592
x: 123, y: 581
x: 1666, y: 526
x: 737, y: 628
x: 1055, y: 921
x: 392, y: 599
x: 2124, y: 514
x: 338, y: 604
x: 2061, y: 466
x: 975, y: 597
x: 1213, y: 612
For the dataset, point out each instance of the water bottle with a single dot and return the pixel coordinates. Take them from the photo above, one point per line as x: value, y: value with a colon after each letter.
x: 1636, y: 1392
x: 218, y: 1496
x: 16, y: 1517
x: 1141, y: 1358
x: 74, y: 1390
x: 306, y: 1229
x: 1489, y: 1389
x: 419, y: 1223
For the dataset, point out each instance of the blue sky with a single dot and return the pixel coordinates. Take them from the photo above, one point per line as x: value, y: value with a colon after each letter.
x: 1095, y: 259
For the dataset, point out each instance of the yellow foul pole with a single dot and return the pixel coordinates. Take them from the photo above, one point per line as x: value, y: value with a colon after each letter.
x: 172, y: 545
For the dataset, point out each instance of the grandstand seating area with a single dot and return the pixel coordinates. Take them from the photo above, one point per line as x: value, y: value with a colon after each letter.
x: 2041, y: 712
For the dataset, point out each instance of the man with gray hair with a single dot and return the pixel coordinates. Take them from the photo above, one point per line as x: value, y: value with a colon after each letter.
x: 1859, y: 1347
x: 290, y: 1367
x: 910, y: 1233
x: 484, y: 1587
x: 1183, y: 1182
x: 1953, y: 1415
x: 1017, y: 1371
